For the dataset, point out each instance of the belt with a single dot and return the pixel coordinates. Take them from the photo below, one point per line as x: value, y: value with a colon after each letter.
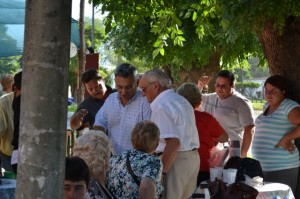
x: 194, y: 149
x: 160, y: 153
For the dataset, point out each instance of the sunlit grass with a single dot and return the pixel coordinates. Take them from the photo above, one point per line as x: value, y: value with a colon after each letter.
x: 72, y: 108
x: 258, y: 104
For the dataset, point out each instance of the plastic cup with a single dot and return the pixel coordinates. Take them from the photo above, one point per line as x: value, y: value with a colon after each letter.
x: 215, y: 173
x: 229, y: 175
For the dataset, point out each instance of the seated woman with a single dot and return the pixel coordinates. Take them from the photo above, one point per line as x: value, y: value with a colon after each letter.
x: 137, y: 173
x: 209, y: 130
x: 94, y: 148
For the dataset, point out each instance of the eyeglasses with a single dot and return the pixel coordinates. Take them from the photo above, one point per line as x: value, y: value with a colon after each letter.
x: 271, y: 92
x: 145, y: 88
x: 222, y: 86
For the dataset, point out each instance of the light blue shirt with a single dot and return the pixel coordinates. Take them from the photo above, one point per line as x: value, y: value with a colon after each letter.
x: 269, y: 129
x: 120, y: 120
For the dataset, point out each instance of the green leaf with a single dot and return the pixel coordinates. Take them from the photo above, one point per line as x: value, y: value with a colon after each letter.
x: 158, y: 43
x: 179, y: 32
x: 194, y: 16
x: 187, y: 15
x: 180, y: 38
x: 155, y: 52
x: 162, y: 51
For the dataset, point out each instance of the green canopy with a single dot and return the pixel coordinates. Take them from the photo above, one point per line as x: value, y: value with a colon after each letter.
x: 12, y: 18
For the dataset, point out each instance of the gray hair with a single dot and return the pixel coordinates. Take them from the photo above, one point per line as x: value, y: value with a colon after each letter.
x: 156, y: 75
x: 7, y: 81
x: 94, y: 148
x: 191, y: 92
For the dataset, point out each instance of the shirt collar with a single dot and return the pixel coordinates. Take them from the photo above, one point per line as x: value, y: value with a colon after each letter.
x: 160, y: 96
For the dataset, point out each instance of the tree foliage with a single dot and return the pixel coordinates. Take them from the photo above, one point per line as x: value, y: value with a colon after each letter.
x: 99, y: 33
x: 249, y: 15
x: 178, y: 33
x: 247, y: 88
x: 10, y: 64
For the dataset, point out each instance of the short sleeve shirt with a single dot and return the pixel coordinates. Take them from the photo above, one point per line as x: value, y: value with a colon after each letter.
x: 174, y: 116
x: 120, y: 120
x: 92, y: 105
x: 268, y: 131
x: 233, y: 113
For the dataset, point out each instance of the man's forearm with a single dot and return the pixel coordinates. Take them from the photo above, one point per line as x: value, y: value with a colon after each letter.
x: 247, y: 140
x: 170, y: 153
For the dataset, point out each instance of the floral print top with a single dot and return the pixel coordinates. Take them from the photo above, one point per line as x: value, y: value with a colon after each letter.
x: 119, y: 181
x: 97, y: 191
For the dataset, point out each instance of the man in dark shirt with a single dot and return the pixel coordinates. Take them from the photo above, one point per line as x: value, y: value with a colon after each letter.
x: 84, y: 116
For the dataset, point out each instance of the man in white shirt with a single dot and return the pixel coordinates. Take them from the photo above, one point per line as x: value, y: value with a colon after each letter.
x: 232, y: 110
x: 179, y: 141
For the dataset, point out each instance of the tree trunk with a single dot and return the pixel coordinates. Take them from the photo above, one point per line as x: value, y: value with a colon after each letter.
x: 193, y: 74
x: 282, y: 52
x: 283, y: 55
x: 81, y: 63
x: 44, y: 99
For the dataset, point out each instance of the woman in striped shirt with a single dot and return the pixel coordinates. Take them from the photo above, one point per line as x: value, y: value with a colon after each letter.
x: 275, y: 131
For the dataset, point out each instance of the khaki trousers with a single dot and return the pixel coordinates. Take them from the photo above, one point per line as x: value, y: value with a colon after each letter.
x: 181, y: 180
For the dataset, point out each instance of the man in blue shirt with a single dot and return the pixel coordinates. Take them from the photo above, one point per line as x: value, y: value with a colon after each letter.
x: 123, y: 109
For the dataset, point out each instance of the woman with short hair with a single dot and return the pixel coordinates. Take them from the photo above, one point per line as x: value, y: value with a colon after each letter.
x: 94, y: 148
x: 137, y: 173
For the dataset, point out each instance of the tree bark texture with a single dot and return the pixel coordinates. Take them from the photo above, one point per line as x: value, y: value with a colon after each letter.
x: 193, y: 74
x: 282, y: 51
x: 81, y: 66
x: 44, y: 99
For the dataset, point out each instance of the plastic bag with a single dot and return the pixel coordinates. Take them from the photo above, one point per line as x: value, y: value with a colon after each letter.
x: 218, y: 156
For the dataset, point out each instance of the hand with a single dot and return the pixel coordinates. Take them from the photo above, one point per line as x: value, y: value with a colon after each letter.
x: 203, y: 81
x: 81, y: 114
x: 286, y: 144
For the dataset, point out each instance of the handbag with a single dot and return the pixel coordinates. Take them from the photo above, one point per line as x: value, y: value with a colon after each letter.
x: 238, y: 190
x: 244, y: 166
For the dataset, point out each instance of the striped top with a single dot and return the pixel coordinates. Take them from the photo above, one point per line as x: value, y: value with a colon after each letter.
x: 269, y: 129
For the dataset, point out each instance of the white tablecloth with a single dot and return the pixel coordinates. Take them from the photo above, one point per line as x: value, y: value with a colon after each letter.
x: 267, y: 191
x: 270, y: 190
x: 8, y: 189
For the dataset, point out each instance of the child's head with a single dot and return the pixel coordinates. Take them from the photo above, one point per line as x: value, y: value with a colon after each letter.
x: 77, y: 178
